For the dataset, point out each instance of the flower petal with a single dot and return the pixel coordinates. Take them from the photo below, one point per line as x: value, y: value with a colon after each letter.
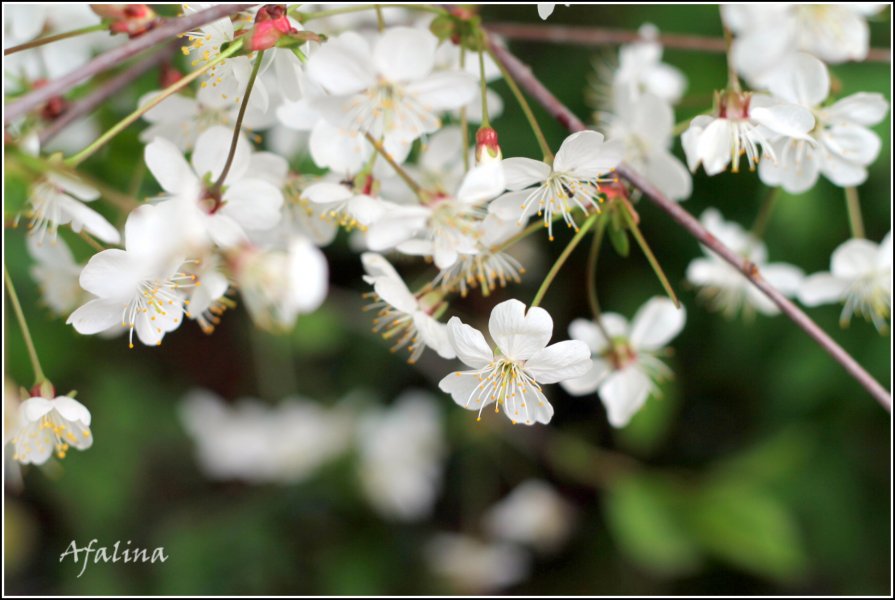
x: 95, y: 316
x: 624, y: 393
x: 521, y: 172
x: 519, y: 335
x: 822, y: 288
x: 167, y: 164
x: 656, y: 323
x: 405, y: 53
x: 560, y: 361
x: 590, y: 381
x: 469, y: 344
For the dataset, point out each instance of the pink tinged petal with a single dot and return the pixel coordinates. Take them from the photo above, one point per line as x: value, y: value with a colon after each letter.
x: 469, y: 344
x: 519, y: 335
x: 789, y: 120
x: 461, y: 385
x: 713, y: 147
x: 434, y: 335
x: 167, y: 164
x: 82, y: 216
x: 96, y: 316
x: 590, y: 381
x: 253, y: 203
x: 211, y: 151
x: 395, y: 293
x: 863, y: 108
x: 523, y: 172
x: 308, y: 275
x: 802, y: 80
x: 72, y: 410
x: 624, y: 393
x: 560, y: 361
x: 445, y: 90
x: 854, y: 259
x: 656, y: 323
x: 822, y: 288
x: 75, y: 187
x: 33, y: 409
x: 405, y: 53
x: 482, y: 183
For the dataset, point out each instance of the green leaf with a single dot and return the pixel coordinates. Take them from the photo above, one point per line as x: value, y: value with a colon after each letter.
x: 619, y: 238
x: 644, y: 515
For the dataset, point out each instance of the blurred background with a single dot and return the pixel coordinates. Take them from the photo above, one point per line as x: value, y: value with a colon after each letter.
x: 762, y: 469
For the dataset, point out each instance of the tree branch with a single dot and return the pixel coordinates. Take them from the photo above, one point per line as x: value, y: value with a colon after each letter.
x: 526, y: 79
x: 599, y: 36
x: 114, y: 57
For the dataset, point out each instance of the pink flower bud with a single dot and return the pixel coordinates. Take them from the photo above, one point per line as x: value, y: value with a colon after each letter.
x: 271, y: 23
x: 487, y: 149
x: 132, y: 19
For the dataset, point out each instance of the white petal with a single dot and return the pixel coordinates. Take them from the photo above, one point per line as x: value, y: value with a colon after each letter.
x: 469, y: 344
x: 446, y: 90
x: 712, y: 147
x: 517, y: 334
x: 482, y: 183
x: 522, y: 172
x: 75, y: 187
x: 786, y: 278
x: 168, y: 166
x: 308, y: 275
x: 327, y: 193
x: 656, y: 323
x: 211, y: 151
x: 666, y: 172
x: 802, y: 80
x: 854, y: 259
x: 789, y: 120
x: 253, y: 203
x: 34, y: 408
x: 95, y: 316
x: 852, y: 143
x: 545, y: 9
x: 822, y: 288
x: 82, y: 216
x: 624, y: 393
x: 72, y: 410
x: 586, y: 155
x: 863, y: 108
x: 590, y: 381
x: 434, y: 335
x: 560, y: 361
x: 377, y: 266
x: 405, y: 53
x: 460, y: 385
x: 341, y: 68
x: 395, y: 293
x: 843, y: 173
x: 110, y: 274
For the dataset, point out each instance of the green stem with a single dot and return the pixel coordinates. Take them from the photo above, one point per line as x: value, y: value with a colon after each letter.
x: 464, y: 122
x: 405, y: 177
x: 75, y: 160
x: 545, y: 285
x: 853, y: 205
x: 523, y: 104
x: 764, y: 214
x: 56, y: 37
x: 39, y: 376
x: 486, y: 120
x: 592, y: 259
x: 657, y: 268
x: 237, y: 128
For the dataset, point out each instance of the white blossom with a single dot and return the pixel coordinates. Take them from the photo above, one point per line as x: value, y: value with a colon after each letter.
x: 476, y: 566
x: 56, y: 272
x: 50, y: 425
x: 534, y: 515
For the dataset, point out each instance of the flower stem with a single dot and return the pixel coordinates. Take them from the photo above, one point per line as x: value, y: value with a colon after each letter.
x: 647, y: 251
x: 733, y: 81
x: 76, y: 159
x: 464, y: 122
x: 853, y: 205
x: 405, y: 177
x: 764, y: 213
x: 592, y: 259
x: 380, y: 20
x: 39, y: 376
x: 545, y: 285
x: 523, y: 104
x: 486, y: 118
x: 237, y: 128
x: 55, y: 38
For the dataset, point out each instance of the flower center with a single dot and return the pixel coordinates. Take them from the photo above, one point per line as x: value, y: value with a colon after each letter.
x: 505, y: 382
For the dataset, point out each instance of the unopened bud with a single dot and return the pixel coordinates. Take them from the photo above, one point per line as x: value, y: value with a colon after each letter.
x: 132, y: 19
x: 487, y: 149
x: 45, y: 389
x: 271, y: 23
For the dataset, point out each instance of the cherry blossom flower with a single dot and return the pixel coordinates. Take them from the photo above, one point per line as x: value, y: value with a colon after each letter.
x: 401, y: 452
x: 841, y: 145
x: 641, y: 71
x: 59, y: 199
x: 248, y: 202
x: 389, y: 90
x: 341, y: 203
x: 48, y: 425
x: 645, y: 127
x: 766, y: 34
x: 476, y: 566
x: 725, y: 287
x: 56, y: 272
x: 139, y: 288
x: 741, y: 124
x: 533, y: 514
x: 625, y: 368
x: 860, y: 277
x: 512, y: 378
x: 583, y: 162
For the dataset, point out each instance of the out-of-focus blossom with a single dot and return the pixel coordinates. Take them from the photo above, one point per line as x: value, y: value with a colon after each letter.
x: 50, y: 425
x: 475, y: 566
x: 534, y: 515
x: 641, y: 71
x: 56, y: 272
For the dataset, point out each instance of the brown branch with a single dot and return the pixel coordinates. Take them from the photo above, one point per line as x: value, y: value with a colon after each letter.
x: 112, y: 58
x: 600, y: 36
x: 106, y: 90
x: 526, y: 79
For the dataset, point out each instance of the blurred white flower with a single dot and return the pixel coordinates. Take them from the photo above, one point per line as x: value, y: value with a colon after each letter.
x: 545, y: 9
x: 860, y: 277
x: 842, y: 145
x: 58, y: 199
x: 641, y: 71
x: 727, y: 289
x: 402, y: 450
x: 512, y: 378
x: 741, y: 124
x: 766, y: 34
x: 476, y: 566
x: 645, y: 126
x: 534, y: 515
x: 257, y: 443
x: 573, y: 181
x: 56, y: 273
x: 625, y: 368
x: 48, y: 425
x: 402, y: 316
x: 340, y: 203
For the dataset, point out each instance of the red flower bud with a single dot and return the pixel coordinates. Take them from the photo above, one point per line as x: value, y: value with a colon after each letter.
x: 271, y: 23
x: 132, y: 19
x: 487, y: 148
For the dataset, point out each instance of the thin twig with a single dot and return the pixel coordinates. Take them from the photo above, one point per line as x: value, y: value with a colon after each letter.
x: 106, y: 90
x: 526, y: 79
x: 600, y: 36
x: 114, y: 57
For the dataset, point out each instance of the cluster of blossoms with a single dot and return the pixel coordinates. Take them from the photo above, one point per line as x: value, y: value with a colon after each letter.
x: 381, y: 116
